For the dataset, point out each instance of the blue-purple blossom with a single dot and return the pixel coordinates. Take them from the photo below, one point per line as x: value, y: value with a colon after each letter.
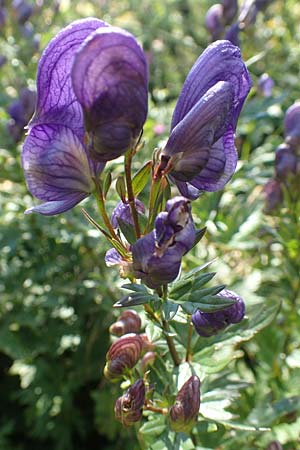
x: 200, y: 154
x: 20, y: 111
x: 129, y: 407
x: 265, y: 85
x: 208, y: 324
x: 230, y: 8
x: 273, y: 196
x: 157, y: 256
x: 292, y: 124
x: 214, y: 21
x: 123, y: 212
x: 286, y: 161
x: 91, y: 78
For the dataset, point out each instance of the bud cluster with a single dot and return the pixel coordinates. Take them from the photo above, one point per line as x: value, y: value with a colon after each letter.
x: 287, y: 163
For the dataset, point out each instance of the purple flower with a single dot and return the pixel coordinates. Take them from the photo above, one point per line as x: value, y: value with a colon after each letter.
x: 129, y: 407
x: 208, y: 324
x: 214, y: 21
x: 123, y: 355
x: 20, y: 111
x: 22, y: 10
x: 230, y: 8
x: 157, y: 256
x: 292, y: 124
x: 286, y: 162
x: 273, y: 196
x: 184, y: 413
x: 90, y: 75
x: 265, y: 85
x: 200, y: 154
x: 123, y: 211
x: 233, y: 34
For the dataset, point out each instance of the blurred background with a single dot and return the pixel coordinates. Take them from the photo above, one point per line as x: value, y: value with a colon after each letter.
x: 56, y: 294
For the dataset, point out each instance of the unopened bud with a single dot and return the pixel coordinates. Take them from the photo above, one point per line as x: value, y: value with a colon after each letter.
x: 129, y: 322
x: 147, y: 360
x: 129, y: 407
x: 123, y: 355
x: 285, y: 162
x: 274, y: 445
x: 184, y: 413
x: 147, y: 345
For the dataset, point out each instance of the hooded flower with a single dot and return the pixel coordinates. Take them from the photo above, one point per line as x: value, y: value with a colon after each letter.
x: 123, y: 211
x: 200, y: 154
x: 83, y: 84
x: 208, y: 324
x: 157, y: 256
x: 292, y: 124
x: 129, y: 407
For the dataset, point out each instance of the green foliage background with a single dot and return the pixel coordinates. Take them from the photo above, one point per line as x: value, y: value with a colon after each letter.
x: 56, y: 293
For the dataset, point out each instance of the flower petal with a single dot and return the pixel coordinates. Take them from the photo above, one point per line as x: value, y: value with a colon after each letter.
x: 221, y: 61
x: 56, y: 101
x: 57, y: 207
x: 110, y: 79
x: 217, y: 172
x: 190, y: 145
x: 55, y: 164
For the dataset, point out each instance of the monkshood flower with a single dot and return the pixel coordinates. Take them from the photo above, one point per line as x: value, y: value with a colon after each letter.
x: 157, y: 256
x: 20, y: 111
x: 286, y: 162
x: 91, y: 88
x: 129, y: 407
x: 208, y: 324
x: 21, y: 10
x: 292, y: 124
x: 123, y: 211
x: 183, y: 414
x: 265, y: 85
x: 200, y: 154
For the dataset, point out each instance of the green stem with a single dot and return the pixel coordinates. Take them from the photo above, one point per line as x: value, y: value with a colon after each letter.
x: 130, y: 193
x: 188, y: 355
x: 170, y: 343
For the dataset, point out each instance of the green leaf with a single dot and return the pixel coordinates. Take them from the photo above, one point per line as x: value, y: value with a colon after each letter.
x: 153, y: 427
x: 181, y: 287
x: 107, y: 183
x: 127, y: 230
x: 141, y: 178
x: 170, y: 310
x: 137, y: 298
x: 135, y: 287
x: 153, y: 332
x: 199, y: 235
x: 121, y: 188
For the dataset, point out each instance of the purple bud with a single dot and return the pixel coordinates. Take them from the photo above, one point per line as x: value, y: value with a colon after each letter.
x: 208, y: 324
x: 233, y: 34
x: 214, y: 21
x: 273, y: 196
x: 230, y: 8
x: 265, y: 85
x: 157, y: 256
x: 123, y: 211
x: 129, y: 407
x: 292, y: 124
x: 147, y: 360
x: 128, y: 322
x: 22, y: 10
x: 183, y: 414
x: 274, y: 445
x: 3, y: 16
x: 3, y: 60
x: 123, y: 355
x: 285, y: 161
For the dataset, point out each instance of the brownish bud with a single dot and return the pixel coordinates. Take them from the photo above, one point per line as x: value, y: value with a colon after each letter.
x: 122, y: 355
x: 147, y: 345
x: 128, y: 322
x: 183, y: 414
x: 147, y: 360
x: 129, y: 407
x: 274, y: 445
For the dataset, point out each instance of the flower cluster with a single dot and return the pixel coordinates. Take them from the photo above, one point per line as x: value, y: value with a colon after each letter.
x: 287, y: 163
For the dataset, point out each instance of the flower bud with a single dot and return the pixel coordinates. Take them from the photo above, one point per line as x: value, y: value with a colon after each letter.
x: 147, y: 360
x: 123, y: 355
x: 147, y: 345
x: 273, y: 196
x: 230, y: 8
x: 123, y: 211
x: 274, y: 445
x: 183, y: 414
x: 265, y: 85
x: 285, y: 161
x: 214, y: 21
x: 208, y: 324
x: 129, y: 407
x: 292, y: 124
x: 129, y: 322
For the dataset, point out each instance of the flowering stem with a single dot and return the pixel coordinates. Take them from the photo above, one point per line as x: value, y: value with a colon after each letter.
x: 163, y: 411
x: 170, y: 343
x: 188, y: 355
x: 130, y: 193
x: 155, y: 192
